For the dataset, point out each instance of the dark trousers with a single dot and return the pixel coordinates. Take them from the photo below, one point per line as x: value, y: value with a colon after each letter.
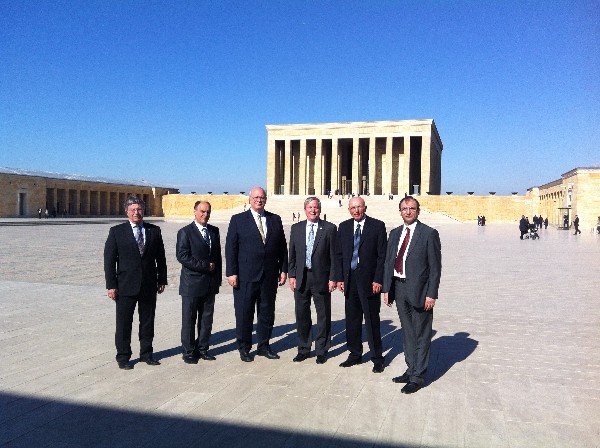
x: 302, y: 298
x: 356, y: 308
x: 417, y: 327
x: 146, y: 305
x: 200, y: 311
x: 260, y: 296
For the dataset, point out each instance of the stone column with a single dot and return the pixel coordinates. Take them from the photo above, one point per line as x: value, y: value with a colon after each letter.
x: 287, y: 176
x: 302, y: 168
x: 77, y: 199
x: 387, y: 171
x: 425, y: 163
x: 404, y: 170
x: 318, y: 166
x: 355, y: 163
x: 334, y: 165
x: 372, y: 174
x: 272, y: 182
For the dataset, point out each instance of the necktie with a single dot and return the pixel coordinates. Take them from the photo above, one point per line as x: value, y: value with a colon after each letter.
x: 399, y: 263
x: 205, y: 236
x: 309, y: 246
x: 354, y: 261
x: 140, y: 239
x: 260, y: 228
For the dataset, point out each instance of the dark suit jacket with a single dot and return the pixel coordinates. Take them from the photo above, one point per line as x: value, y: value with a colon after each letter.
x: 423, y: 264
x: 245, y: 254
x: 125, y: 269
x: 371, y: 254
x: 323, y: 255
x: 195, y: 255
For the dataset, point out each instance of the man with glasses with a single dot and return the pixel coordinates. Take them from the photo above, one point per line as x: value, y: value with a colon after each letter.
x: 413, y: 267
x: 256, y: 263
x: 135, y: 269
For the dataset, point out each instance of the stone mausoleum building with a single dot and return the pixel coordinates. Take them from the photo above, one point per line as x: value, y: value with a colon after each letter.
x: 373, y: 157
x: 25, y: 192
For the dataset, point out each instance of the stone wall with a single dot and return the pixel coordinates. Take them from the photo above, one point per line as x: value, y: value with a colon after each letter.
x: 180, y: 205
x: 467, y: 208
x: 586, y: 196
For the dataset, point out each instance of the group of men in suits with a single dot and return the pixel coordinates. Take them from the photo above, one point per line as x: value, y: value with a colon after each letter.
x: 357, y: 259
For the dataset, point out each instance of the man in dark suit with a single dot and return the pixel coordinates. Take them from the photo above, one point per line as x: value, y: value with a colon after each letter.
x: 311, y: 274
x: 135, y: 269
x: 359, y: 257
x: 257, y: 261
x: 576, y: 225
x: 199, y: 252
x: 413, y: 267
x: 523, y: 226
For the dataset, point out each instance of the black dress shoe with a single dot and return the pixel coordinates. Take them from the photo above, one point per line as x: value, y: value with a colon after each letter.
x: 190, y: 359
x: 268, y: 354
x: 351, y: 362
x: 205, y: 356
x: 404, y: 378
x: 300, y: 357
x: 245, y: 356
x: 378, y: 368
x: 321, y: 359
x: 410, y: 388
x: 124, y: 365
x: 150, y: 361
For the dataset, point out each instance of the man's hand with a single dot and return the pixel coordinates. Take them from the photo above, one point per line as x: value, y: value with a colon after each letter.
x: 340, y: 286
x: 386, y: 299
x: 160, y: 289
x: 377, y: 288
x: 233, y: 281
x: 331, y: 286
x: 211, y: 266
x: 282, y: 278
x: 112, y: 293
x: 429, y: 303
x: 292, y: 283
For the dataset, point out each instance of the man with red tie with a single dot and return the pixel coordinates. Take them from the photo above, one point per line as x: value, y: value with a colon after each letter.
x: 413, y: 267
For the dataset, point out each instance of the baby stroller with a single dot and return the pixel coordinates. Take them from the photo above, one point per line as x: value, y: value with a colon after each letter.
x: 532, y: 234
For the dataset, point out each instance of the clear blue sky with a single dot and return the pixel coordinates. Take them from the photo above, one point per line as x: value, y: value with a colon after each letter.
x: 179, y: 92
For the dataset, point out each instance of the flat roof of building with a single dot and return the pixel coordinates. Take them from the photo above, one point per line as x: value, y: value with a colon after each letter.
x: 79, y: 177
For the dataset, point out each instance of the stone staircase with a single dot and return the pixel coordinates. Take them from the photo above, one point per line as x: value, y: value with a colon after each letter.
x: 379, y: 207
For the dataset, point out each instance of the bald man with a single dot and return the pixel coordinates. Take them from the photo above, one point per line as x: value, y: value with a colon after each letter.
x: 256, y: 263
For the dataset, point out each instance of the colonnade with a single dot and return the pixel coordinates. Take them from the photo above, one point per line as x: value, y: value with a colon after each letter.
x: 84, y: 202
x: 381, y: 157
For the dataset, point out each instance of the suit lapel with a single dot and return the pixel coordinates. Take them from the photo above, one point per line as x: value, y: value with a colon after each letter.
x: 199, y: 233
x: 415, y: 239
x: 252, y: 224
x: 364, y: 229
x: 318, y: 235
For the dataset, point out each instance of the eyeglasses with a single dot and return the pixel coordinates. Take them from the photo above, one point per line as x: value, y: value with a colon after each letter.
x: 259, y: 198
x: 407, y: 209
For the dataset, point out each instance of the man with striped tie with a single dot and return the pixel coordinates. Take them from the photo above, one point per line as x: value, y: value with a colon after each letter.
x: 199, y: 252
x: 135, y: 269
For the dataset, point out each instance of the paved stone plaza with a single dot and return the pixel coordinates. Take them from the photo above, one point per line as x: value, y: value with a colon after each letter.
x: 515, y: 356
